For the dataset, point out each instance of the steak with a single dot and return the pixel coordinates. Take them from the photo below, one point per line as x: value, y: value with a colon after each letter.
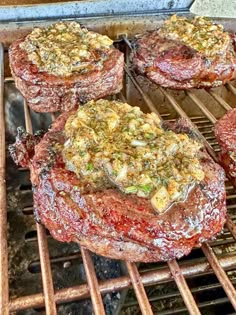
x: 177, y: 61
x: 110, y: 222
x: 48, y: 92
x: 225, y: 132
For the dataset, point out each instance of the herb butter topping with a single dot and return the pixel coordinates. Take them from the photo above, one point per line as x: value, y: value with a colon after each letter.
x: 64, y: 48
x: 199, y: 33
x: 117, y: 142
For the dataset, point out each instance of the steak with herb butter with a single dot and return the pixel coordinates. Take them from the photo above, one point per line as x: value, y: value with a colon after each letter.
x: 123, y: 184
x: 186, y: 53
x: 59, y: 66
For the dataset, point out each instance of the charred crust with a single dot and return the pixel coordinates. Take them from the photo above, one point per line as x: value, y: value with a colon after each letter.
x: 45, y: 171
x: 22, y: 150
x: 36, y: 215
x: 83, y: 98
x: 181, y: 126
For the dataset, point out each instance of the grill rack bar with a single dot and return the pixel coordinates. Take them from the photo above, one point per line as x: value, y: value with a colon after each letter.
x: 141, y: 295
x: 92, y: 282
x: 47, y: 280
x: 200, y: 104
x: 79, y: 292
x: 183, y: 288
x: 231, y: 88
x: 145, y: 97
x: 220, y: 273
x: 220, y: 100
x: 4, y: 289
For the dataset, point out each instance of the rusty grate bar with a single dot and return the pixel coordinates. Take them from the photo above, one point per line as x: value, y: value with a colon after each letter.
x: 4, y: 292
x: 231, y: 88
x: 220, y: 100
x: 213, y: 120
x: 220, y: 273
x: 230, y: 225
x: 92, y: 282
x: 145, y: 97
x: 148, y: 278
x: 141, y: 295
x: 48, y: 289
x: 200, y: 104
x: 183, y: 288
x: 182, y: 114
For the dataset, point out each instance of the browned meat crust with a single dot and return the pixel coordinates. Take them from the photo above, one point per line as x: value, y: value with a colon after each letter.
x: 116, y: 225
x: 172, y: 64
x: 49, y: 93
x: 225, y: 132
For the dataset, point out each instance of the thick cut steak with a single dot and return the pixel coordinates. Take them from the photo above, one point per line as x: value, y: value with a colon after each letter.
x: 50, y: 92
x: 111, y: 223
x: 173, y: 63
x: 225, y: 132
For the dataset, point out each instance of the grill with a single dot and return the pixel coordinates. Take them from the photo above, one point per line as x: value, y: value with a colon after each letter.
x: 202, y: 282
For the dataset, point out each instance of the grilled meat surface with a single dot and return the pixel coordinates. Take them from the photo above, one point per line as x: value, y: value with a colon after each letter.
x: 186, y: 54
x: 225, y: 132
x: 52, y: 78
x: 114, y: 224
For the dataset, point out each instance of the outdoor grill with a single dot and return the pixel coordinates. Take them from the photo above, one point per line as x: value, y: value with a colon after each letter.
x: 48, y: 277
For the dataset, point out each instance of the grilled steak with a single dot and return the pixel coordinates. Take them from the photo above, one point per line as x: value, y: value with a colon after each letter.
x: 186, y: 54
x: 225, y: 132
x: 119, y: 211
x: 57, y: 67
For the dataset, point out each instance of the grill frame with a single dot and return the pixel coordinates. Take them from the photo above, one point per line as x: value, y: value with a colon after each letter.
x: 49, y: 298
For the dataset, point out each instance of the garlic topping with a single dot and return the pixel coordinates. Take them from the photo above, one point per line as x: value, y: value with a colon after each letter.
x: 199, y: 33
x: 64, y: 48
x: 115, y: 142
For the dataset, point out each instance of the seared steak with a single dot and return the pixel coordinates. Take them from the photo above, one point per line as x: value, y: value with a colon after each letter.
x: 186, y: 54
x: 107, y: 220
x: 225, y: 132
x: 63, y: 65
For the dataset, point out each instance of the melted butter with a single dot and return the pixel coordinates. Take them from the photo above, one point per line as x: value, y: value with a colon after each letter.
x: 64, y: 48
x: 115, y: 142
x: 198, y: 33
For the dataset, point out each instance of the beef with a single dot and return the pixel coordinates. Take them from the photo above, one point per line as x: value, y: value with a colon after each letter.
x: 116, y: 225
x: 172, y: 64
x: 46, y: 92
x: 225, y: 132
x: 23, y: 150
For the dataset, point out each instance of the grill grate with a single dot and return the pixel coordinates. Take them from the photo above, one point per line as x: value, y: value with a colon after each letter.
x: 135, y: 278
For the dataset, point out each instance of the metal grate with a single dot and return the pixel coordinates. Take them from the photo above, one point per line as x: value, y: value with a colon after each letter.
x: 134, y: 88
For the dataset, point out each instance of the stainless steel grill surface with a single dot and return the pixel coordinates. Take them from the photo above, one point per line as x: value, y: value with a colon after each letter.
x: 44, y: 275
